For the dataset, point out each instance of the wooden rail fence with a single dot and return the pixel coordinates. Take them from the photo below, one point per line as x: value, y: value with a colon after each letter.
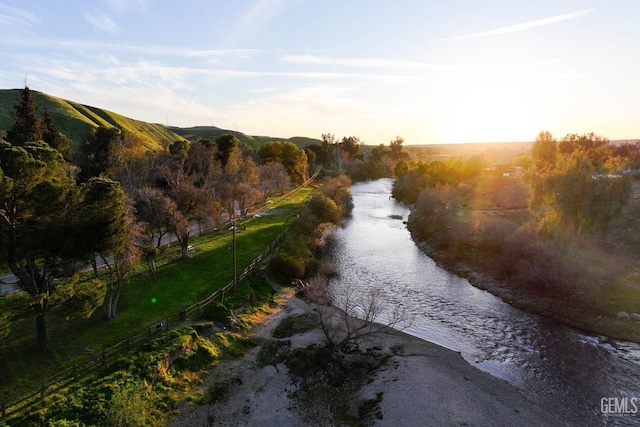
x: 62, y: 379
x: 26, y: 400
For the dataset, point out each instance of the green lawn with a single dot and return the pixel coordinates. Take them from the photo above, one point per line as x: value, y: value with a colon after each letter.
x: 180, y: 283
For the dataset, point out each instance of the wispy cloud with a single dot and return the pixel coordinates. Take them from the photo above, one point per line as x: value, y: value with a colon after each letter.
x: 102, y: 22
x: 170, y: 51
x: 15, y: 19
x: 256, y: 18
x: 124, y: 5
x: 521, y: 27
x: 363, y: 62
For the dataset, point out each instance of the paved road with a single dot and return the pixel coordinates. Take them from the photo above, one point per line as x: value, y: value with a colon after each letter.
x: 9, y: 283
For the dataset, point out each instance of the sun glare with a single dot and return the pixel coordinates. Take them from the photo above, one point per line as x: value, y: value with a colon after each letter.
x: 491, y: 109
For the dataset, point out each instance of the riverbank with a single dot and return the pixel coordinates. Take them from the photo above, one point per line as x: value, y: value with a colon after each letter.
x: 480, y: 275
x: 395, y: 379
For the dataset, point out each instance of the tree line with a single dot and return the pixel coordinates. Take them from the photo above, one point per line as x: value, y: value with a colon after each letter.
x: 109, y: 197
x: 542, y: 231
x: 63, y: 204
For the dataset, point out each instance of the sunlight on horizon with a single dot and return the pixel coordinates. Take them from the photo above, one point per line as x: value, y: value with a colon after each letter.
x: 490, y: 108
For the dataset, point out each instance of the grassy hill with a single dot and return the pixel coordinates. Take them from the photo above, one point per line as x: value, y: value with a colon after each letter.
x: 77, y: 120
x: 212, y: 132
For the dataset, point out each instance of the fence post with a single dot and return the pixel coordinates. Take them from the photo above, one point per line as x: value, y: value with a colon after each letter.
x: 183, y: 316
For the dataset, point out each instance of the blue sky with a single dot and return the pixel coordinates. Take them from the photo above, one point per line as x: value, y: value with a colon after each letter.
x: 429, y: 71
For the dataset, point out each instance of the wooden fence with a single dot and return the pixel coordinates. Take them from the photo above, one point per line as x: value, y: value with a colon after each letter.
x: 196, y: 308
x: 62, y: 379
x: 25, y: 401
x: 28, y: 399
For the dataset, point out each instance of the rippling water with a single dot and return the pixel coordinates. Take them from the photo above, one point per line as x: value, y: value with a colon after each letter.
x: 561, y: 368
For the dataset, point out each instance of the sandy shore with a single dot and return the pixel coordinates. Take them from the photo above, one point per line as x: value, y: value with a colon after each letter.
x: 420, y: 384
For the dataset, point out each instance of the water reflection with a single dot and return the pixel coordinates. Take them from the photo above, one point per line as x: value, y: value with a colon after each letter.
x: 551, y: 363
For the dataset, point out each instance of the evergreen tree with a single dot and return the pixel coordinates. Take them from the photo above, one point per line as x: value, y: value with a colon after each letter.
x: 226, y: 143
x: 94, y: 154
x: 52, y: 136
x: 27, y: 126
x: 46, y: 221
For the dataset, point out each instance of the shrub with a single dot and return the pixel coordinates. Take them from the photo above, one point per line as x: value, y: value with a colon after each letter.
x: 325, y: 208
x: 286, y: 265
x: 216, y: 311
x: 495, y: 232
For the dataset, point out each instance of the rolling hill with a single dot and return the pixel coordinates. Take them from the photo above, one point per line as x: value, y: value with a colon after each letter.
x: 77, y: 120
x: 212, y: 132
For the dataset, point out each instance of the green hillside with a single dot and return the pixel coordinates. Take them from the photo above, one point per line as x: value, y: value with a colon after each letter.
x: 76, y: 121
x: 212, y: 132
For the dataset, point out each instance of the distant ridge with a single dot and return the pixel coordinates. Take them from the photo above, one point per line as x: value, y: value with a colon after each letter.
x: 212, y: 132
x: 77, y: 120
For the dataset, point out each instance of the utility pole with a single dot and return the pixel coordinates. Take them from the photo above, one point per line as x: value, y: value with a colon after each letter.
x: 235, y: 277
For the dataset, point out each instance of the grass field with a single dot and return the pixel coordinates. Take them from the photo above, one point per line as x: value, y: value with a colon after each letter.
x: 180, y: 283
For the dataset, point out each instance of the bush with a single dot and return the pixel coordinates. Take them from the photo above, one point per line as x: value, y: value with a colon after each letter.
x: 325, y: 208
x: 495, y: 232
x: 285, y: 264
x: 216, y: 311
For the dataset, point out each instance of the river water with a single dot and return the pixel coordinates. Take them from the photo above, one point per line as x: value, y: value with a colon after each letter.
x: 565, y: 370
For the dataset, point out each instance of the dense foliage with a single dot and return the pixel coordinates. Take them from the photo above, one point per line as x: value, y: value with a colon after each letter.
x: 296, y: 258
x: 541, y: 229
x: 109, y: 199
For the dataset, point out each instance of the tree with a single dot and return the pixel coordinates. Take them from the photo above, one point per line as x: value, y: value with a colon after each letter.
x: 395, y: 147
x: 290, y: 155
x: 544, y: 151
x: 596, y: 148
x: 572, y: 188
x: 45, y: 222
x: 188, y: 200
x: 294, y: 160
x: 348, y: 316
x: 226, y: 143
x: 127, y: 161
x: 35, y: 189
x: 322, y: 154
x: 52, y: 136
x: 202, y: 160
x: 27, y: 126
x: 273, y: 177
x: 104, y: 214
x: 576, y: 197
x: 239, y: 178
x: 352, y: 146
x: 94, y: 154
x: 154, y: 211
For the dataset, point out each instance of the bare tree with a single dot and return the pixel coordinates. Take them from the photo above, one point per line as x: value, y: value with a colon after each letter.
x: 345, y: 316
x: 273, y: 177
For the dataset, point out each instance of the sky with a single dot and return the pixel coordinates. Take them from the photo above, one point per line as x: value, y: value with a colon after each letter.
x: 429, y: 71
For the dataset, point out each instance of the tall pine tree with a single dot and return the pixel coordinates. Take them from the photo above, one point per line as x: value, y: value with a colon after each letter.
x: 27, y: 126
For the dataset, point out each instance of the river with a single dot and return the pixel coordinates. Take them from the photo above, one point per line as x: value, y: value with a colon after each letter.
x: 565, y: 370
